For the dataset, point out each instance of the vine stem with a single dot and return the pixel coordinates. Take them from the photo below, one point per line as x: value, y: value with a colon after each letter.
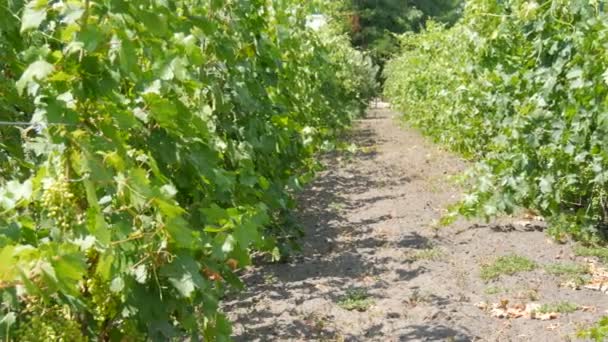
x: 85, y: 16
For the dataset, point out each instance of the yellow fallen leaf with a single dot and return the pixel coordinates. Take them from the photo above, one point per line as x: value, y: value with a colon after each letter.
x: 482, y: 305
x: 588, y: 308
x: 547, y: 316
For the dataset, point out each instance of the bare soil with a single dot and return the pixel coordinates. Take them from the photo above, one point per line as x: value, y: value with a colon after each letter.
x: 370, y: 221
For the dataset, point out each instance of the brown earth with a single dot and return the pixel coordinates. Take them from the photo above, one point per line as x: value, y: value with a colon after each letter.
x: 370, y: 222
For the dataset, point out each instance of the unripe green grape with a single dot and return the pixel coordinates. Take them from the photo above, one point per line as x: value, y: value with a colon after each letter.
x: 49, y: 324
x: 59, y: 202
x: 103, y: 305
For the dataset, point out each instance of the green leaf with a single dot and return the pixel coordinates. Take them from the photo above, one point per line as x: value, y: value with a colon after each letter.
x: 8, y: 269
x: 180, y: 233
x: 140, y: 273
x: 91, y: 37
x: 98, y: 227
x: 169, y: 209
x: 138, y: 180
x: 127, y: 56
x: 58, y: 112
x: 184, y: 275
x: 183, y: 284
x: 215, y: 215
x: 68, y: 270
x: 155, y: 23
x: 33, y: 15
x: 162, y: 110
x: 117, y: 285
x: 228, y: 244
x: 72, y: 11
x: 35, y: 72
x: 104, y: 266
x: 14, y: 192
x: 246, y: 233
x: 20, y: 190
x: 546, y: 184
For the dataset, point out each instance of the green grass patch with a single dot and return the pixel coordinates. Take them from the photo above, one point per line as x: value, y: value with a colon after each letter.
x: 566, y: 269
x: 492, y: 290
x: 560, y: 307
x: 426, y: 254
x: 356, y: 299
x: 336, y: 206
x: 598, y: 252
x: 507, y: 265
x: 569, y: 272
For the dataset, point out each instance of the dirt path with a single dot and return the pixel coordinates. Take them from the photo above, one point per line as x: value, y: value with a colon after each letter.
x: 369, y: 221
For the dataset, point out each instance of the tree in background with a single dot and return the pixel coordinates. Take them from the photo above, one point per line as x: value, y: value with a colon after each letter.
x: 445, y: 11
x: 374, y: 24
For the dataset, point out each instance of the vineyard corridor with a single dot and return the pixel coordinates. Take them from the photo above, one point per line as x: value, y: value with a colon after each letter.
x: 370, y: 221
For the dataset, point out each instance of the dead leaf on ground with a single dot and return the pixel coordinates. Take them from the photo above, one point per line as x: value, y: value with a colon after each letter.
x: 322, y: 287
x: 599, y: 277
x: 368, y: 280
x: 482, y: 305
x: 571, y: 284
x: 529, y: 311
x: 532, y: 215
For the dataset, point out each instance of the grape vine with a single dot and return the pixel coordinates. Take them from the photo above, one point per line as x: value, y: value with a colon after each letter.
x: 520, y: 86
x: 162, y: 144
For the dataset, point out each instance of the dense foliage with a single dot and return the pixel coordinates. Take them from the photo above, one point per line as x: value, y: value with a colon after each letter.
x: 373, y: 24
x: 598, y: 332
x: 151, y: 147
x: 522, y: 87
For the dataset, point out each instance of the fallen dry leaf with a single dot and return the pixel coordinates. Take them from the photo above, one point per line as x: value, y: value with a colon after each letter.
x: 532, y: 307
x: 515, y: 313
x: 498, y: 313
x: 544, y: 316
x: 599, y: 277
x: 232, y: 263
x: 531, y: 215
x: 519, y: 306
x: 530, y: 310
x: 321, y: 287
x: 482, y: 305
x: 367, y: 280
x: 585, y: 308
x: 570, y: 284
x: 211, y: 274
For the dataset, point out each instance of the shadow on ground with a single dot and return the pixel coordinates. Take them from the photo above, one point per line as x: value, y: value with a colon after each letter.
x: 325, y: 263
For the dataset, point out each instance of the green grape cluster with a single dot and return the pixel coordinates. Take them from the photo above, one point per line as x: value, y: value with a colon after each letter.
x: 130, y: 332
x: 59, y: 202
x: 103, y: 306
x: 54, y: 325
